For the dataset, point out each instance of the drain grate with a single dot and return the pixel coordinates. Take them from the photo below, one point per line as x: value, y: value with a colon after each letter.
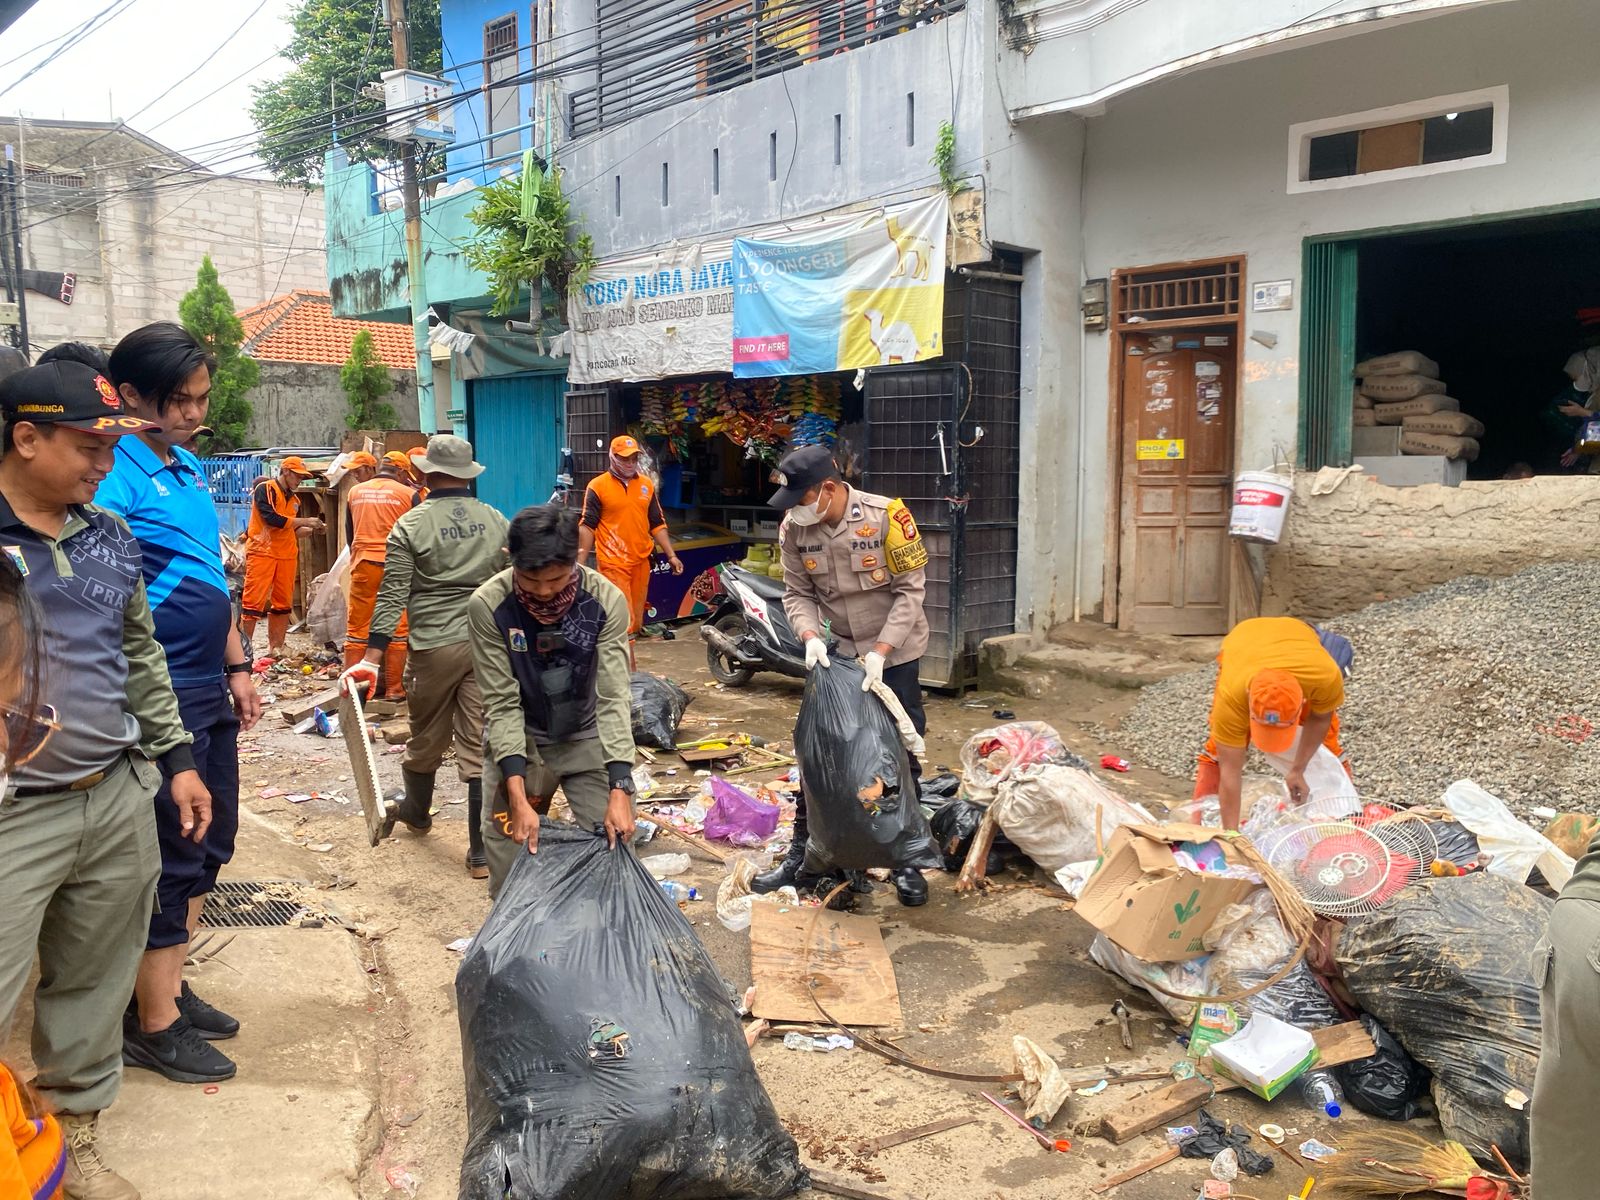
x: 257, y: 904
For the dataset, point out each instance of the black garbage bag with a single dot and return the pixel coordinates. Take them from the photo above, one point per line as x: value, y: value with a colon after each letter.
x: 954, y: 824
x: 1456, y: 842
x: 944, y: 786
x: 604, y: 1059
x: 1447, y: 967
x: 656, y: 705
x: 1215, y: 1137
x: 853, y: 770
x: 1391, y: 1083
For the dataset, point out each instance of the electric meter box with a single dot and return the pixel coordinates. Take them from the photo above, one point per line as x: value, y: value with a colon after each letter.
x: 420, y: 107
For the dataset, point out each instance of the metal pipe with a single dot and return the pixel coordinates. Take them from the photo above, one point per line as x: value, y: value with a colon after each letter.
x: 1002, y: 276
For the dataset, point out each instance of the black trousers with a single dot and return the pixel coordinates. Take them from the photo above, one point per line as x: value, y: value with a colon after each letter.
x: 902, y: 680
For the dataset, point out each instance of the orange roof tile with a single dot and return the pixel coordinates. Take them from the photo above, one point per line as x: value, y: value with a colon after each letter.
x: 301, y: 327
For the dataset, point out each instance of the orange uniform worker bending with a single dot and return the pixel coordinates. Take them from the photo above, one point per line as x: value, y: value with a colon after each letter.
x: 622, y: 522
x: 371, y: 510
x: 1275, y: 679
x: 33, y: 1154
x: 272, y: 551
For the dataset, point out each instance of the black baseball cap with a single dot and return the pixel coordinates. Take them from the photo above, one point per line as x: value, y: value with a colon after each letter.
x: 65, y: 392
x: 799, y: 471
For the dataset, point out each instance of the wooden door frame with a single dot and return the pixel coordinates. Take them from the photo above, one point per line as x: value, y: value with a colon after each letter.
x: 1111, y: 582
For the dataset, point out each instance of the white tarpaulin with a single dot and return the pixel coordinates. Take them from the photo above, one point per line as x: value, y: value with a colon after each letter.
x: 669, y: 311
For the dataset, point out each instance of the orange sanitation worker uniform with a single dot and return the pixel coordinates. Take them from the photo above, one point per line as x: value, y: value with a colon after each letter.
x: 373, y: 508
x: 272, y: 555
x: 624, y: 514
x: 33, y: 1154
x: 1273, y: 673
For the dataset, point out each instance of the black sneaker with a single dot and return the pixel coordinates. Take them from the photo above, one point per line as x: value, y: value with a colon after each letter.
x: 178, y: 1052
x: 210, y: 1023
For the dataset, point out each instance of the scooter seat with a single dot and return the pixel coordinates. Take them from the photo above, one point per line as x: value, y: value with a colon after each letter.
x: 762, y: 585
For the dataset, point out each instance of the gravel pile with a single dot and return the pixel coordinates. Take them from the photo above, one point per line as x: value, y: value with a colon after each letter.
x: 1486, y: 679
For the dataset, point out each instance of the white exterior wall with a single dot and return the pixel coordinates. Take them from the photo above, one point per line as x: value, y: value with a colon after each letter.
x: 136, y: 252
x: 1197, y: 167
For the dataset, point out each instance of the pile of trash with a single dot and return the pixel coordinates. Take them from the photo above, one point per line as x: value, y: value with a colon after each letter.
x: 1481, y: 666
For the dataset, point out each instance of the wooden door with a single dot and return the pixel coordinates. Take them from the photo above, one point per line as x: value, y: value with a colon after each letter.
x: 1178, y: 402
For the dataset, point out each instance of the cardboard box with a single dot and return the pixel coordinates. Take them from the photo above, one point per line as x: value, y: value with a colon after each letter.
x: 1266, y: 1056
x: 1150, y: 906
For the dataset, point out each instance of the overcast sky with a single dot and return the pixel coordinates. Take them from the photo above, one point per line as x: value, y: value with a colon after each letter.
x: 145, y: 48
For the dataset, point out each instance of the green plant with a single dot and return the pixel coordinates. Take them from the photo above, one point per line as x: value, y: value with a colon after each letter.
x: 336, y: 46
x: 207, y: 312
x: 364, y: 379
x: 944, y: 158
x: 520, y: 254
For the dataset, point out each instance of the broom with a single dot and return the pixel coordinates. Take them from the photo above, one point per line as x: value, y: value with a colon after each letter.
x: 1392, y: 1161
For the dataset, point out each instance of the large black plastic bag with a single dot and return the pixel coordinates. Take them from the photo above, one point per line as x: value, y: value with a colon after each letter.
x: 581, y: 946
x: 656, y: 705
x: 1391, y: 1083
x: 852, y: 769
x: 1447, y: 967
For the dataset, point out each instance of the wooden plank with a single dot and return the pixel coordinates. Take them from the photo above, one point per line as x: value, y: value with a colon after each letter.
x: 1146, y: 1112
x: 853, y: 1189
x: 1144, y: 1168
x: 695, y: 757
x: 854, y: 977
x: 913, y: 1134
x: 295, y: 711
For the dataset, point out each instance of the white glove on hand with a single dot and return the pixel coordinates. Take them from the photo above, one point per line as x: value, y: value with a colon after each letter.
x: 872, y: 664
x: 362, y: 673
x: 816, y: 654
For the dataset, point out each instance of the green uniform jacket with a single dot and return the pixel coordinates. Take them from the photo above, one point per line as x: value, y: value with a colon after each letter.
x: 437, y: 555
x: 509, y: 742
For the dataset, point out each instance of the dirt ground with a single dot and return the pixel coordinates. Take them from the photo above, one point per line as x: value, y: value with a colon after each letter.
x: 972, y: 972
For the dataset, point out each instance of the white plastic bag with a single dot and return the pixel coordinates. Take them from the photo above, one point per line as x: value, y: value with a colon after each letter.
x: 1515, y: 849
x: 327, y: 618
x: 1191, y: 978
x: 1051, y: 813
x: 665, y: 866
x: 1043, y: 1087
x: 1333, y: 795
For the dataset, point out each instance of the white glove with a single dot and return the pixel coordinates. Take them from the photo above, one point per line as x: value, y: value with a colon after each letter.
x: 816, y: 654
x: 872, y: 664
x: 363, y: 672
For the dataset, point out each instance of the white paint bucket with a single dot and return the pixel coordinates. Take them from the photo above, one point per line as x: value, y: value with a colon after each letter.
x: 1260, y: 504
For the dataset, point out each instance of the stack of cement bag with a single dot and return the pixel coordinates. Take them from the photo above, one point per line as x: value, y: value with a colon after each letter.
x: 1404, y: 389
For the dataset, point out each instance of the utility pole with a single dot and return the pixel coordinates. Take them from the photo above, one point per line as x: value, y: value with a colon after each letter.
x: 14, y: 283
x: 415, y: 273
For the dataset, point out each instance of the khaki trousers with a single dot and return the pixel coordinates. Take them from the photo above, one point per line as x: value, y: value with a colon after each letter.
x: 1566, y: 1092
x: 442, y: 695
x: 577, y: 768
x: 77, y: 886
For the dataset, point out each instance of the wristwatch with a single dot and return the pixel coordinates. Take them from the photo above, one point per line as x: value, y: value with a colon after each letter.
x: 238, y: 668
x: 621, y: 774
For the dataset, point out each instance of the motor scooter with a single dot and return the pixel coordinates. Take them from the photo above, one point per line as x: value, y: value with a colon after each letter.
x: 748, y: 631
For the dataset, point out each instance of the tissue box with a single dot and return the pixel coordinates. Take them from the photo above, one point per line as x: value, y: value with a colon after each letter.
x: 1265, y: 1056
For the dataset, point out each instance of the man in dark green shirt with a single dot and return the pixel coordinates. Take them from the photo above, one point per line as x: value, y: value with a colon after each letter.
x: 550, y: 650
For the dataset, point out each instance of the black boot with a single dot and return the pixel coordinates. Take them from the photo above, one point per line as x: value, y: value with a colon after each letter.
x: 910, y: 886
x: 414, y: 806
x: 785, y: 874
x: 477, y: 863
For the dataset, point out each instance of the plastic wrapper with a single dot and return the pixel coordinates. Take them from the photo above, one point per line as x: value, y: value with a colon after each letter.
x: 853, y: 770
x: 738, y: 817
x: 1446, y: 967
x: 1391, y: 1083
x: 1514, y: 850
x: 656, y: 705
x: 604, y: 1059
x: 1060, y: 814
x: 992, y: 755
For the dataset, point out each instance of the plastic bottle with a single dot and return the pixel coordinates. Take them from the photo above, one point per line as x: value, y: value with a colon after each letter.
x: 679, y: 892
x: 1321, y: 1090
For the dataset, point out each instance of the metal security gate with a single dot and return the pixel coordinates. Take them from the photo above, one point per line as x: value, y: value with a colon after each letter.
x: 592, y: 415
x: 514, y: 422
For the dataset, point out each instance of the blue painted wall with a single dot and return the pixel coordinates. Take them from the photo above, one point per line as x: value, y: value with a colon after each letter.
x: 461, y: 25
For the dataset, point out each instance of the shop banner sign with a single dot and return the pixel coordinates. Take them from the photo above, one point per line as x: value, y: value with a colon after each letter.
x: 863, y: 290
x: 655, y: 315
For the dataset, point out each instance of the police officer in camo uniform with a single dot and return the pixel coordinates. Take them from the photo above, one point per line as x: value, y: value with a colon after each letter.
x: 437, y: 555
x: 856, y: 560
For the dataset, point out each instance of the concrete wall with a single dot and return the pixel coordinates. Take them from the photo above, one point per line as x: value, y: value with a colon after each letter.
x: 1366, y: 542
x: 1197, y: 167
x: 302, y: 404
x: 135, y: 234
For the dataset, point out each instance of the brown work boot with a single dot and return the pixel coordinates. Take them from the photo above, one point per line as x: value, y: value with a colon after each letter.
x: 88, y: 1177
